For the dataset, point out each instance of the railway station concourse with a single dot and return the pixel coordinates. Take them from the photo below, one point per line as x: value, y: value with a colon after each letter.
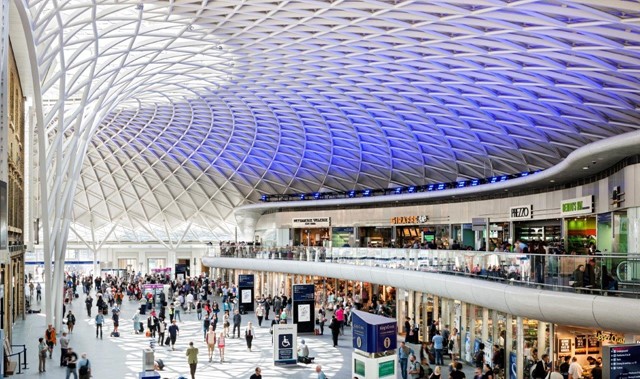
x: 456, y: 164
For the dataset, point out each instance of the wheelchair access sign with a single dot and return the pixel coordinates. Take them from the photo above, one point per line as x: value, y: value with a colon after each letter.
x: 285, y: 349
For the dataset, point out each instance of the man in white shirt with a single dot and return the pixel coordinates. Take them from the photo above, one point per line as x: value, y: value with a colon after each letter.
x: 189, y: 302
x: 575, y: 369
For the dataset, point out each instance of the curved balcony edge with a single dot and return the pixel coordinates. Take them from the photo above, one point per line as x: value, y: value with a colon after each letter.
x: 564, y: 308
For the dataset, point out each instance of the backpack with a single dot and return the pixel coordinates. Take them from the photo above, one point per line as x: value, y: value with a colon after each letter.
x: 84, y: 369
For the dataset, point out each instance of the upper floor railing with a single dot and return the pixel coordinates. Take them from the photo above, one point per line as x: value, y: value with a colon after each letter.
x: 611, y: 274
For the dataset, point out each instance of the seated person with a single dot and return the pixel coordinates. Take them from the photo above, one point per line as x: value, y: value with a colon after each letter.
x: 303, y: 353
x: 158, y: 364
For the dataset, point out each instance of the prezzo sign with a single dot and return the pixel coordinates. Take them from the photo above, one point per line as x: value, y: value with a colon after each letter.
x: 577, y: 206
x: 521, y: 212
x: 308, y: 222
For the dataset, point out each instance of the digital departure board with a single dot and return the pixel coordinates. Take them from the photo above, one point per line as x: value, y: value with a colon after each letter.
x: 621, y: 362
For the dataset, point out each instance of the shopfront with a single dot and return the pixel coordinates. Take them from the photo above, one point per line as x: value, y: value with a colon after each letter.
x: 584, y: 344
x: 375, y: 236
x: 579, y: 224
x: 342, y: 236
x: 312, y: 231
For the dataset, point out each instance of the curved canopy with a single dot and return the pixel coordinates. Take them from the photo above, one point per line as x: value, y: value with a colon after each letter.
x: 197, y: 107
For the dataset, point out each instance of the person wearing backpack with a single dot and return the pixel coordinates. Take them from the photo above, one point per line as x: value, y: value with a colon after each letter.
x: 84, y: 367
x: 414, y: 368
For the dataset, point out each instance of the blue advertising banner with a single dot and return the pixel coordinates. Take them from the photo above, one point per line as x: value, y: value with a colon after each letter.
x: 373, y: 333
x: 513, y: 365
x: 303, y: 292
x: 246, y: 281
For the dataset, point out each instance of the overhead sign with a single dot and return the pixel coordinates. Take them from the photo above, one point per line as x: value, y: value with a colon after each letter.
x: 577, y: 206
x: 478, y: 224
x: 521, y: 212
x: 246, y: 280
x: 372, y: 333
x: 285, y: 349
x: 420, y: 219
x: 315, y: 222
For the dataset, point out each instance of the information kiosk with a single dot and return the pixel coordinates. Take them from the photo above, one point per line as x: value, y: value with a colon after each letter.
x: 374, y: 343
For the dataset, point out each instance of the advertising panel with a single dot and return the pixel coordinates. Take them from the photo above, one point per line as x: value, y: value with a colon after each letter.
x: 373, y: 333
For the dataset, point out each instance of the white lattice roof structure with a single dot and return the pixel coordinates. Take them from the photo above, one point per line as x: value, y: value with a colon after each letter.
x: 162, y: 116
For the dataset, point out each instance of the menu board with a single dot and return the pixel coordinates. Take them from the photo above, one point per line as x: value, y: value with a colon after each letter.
x: 565, y: 346
x: 593, y: 345
x: 581, y: 345
x: 623, y: 362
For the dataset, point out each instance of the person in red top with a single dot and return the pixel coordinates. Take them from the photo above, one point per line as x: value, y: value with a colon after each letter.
x: 340, y: 317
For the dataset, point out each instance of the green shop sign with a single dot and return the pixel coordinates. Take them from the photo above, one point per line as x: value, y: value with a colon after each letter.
x: 577, y: 206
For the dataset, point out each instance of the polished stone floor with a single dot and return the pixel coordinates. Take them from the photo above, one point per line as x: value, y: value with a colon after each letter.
x: 121, y: 358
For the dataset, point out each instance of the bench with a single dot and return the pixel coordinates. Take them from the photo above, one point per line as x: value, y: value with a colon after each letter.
x: 11, y: 365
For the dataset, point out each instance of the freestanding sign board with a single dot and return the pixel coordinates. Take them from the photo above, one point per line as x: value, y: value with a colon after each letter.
x: 285, y: 344
x: 374, y: 342
x: 246, y: 292
x: 304, y: 307
x: 621, y: 361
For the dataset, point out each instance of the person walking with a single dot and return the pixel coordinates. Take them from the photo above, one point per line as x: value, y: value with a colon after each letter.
x: 99, y: 322
x: 84, y: 367
x: 210, y: 339
x: 88, y: 303
x: 221, y: 346
x: 335, y: 330
x: 136, y: 322
x: 237, y: 319
x: 38, y: 292
x: 162, y: 328
x: 64, y: 346
x: 260, y: 314
x: 192, y: 359
x: 50, y: 336
x: 173, y: 334
x: 438, y: 345
x: 71, y: 321
x: 249, y: 334
x: 257, y: 374
x: 42, y: 354
x: 321, y: 374
x: 72, y: 360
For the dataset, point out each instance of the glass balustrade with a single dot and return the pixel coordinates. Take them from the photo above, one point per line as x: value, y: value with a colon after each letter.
x: 611, y: 274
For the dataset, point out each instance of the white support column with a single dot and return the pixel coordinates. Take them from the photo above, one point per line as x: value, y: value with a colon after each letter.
x: 485, y: 326
x: 519, y: 347
x: 542, y: 338
x: 508, y: 346
x: 472, y: 329
x: 464, y: 329
x: 436, y: 310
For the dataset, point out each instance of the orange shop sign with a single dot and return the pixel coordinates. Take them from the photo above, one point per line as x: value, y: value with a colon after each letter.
x: 421, y: 219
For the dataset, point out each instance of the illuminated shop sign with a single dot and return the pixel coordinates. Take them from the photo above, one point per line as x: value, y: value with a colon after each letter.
x: 577, y: 206
x: 423, y: 219
x: 521, y: 212
x: 610, y: 337
x: 317, y: 222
